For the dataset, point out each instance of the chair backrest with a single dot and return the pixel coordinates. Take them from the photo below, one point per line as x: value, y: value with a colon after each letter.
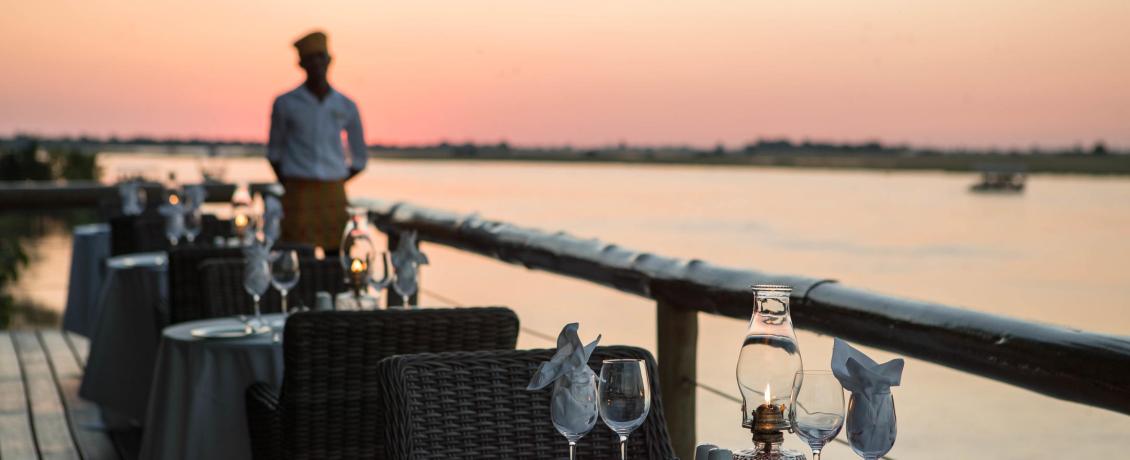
x: 141, y: 233
x: 146, y: 232
x: 475, y: 405
x: 330, y: 398
x: 188, y: 295
x: 186, y: 282
x: 223, y: 294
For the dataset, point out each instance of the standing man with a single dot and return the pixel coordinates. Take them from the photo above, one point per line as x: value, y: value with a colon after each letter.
x: 305, y: 150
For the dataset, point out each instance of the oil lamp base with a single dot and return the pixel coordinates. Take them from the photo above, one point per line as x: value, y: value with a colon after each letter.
x: 775, y: 452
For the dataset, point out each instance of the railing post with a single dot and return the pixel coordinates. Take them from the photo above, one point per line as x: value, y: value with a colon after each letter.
x: 677, y: 340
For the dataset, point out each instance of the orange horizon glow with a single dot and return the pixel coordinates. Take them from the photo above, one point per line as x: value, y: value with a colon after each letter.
x: 1008, y: 73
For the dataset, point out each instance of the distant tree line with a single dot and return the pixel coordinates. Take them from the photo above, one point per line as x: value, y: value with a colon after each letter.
x: 772, y: 146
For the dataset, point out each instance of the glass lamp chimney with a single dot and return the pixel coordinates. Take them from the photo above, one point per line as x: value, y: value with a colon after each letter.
x: 770, y: 357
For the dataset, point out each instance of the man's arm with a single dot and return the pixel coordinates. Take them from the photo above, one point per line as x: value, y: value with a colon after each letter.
x: 276, y: 141
x: 357, y: 149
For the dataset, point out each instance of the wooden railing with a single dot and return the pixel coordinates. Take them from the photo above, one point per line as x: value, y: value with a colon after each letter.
x: 1069, y: 364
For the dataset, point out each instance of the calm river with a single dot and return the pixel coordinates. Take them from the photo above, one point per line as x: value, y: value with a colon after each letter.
x: 1059, y: 253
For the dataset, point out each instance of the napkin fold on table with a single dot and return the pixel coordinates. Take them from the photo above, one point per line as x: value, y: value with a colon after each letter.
x: 406, y: 259
x: 571, y: 359
x: 194, y: 197
x: 272, y: 218
x: 569, y: 364
x: 257, y: 270
x: 131, y: 202
x: 872, y: 413
x: 858, y: 373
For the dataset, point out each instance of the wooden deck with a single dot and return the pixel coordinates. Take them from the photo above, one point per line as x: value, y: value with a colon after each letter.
x: 41, y: 415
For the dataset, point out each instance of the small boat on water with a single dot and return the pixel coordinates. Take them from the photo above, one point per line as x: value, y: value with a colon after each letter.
x: 1000, y: 179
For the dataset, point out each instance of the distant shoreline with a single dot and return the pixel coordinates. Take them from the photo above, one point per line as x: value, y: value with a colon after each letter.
x: 1118, y: 165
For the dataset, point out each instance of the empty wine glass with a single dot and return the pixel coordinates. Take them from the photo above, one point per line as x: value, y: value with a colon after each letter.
x: 193, y: 224
x: 284, y: 273
x: 573, y: 407
x: 818, y: 413
x: 625, y: 397
x: 871, y: 424
x: 256, y: 280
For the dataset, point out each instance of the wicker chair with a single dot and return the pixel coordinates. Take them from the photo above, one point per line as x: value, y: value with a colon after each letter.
x: 142, y: 233
x: 223, y: 292
x: 475, y: 405
x: 187, y: 299
x: 329, y: 404
x: 146, y: 232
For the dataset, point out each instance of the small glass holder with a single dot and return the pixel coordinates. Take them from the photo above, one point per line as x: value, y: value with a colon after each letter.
x: 351, y: 301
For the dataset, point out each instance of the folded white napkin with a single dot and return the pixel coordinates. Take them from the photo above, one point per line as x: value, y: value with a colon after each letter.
x: 194, y: 196
x: 872, y: 414
x: 405, y: 260
x: 272, y: 219
x: 256, y: 272
x: 569, y: 366
x: 572, y: 357
x: 860, y: 374
x: 131, y: 201
x: 174, y: 218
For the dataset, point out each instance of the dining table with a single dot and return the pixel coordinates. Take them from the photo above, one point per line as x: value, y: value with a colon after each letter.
x: 90, y: 247
x: 196, y: 403
x: 132, y: 309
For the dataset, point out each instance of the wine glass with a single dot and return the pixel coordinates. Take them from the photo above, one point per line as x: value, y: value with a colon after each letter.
x: 871, y: 433
x: 818, y: 413
x: 193, y: 224
x: 256, y: 280
x: 284, y: 273
x: 625, y: 397
x: 573, y: 407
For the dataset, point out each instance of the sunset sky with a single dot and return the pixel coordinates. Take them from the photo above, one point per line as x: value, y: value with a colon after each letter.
x: 1006, y: 73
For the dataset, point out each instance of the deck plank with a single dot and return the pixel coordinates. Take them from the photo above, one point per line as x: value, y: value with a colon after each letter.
x: 16, y: 438
x: 52, y: 435
x: 84, y: 417
x: 81, y: 347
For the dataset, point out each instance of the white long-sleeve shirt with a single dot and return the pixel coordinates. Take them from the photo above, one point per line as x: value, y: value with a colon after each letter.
x: 305, y: 140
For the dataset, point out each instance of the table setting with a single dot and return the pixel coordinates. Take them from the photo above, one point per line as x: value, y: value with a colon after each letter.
x: 196, y: 406
x: 620, y: 396
x: 779, y: 394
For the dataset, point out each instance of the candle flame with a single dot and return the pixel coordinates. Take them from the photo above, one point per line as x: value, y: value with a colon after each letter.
x: 174, y: 199
x: 767, y: 398
x: 240, y: 220
x: 357, y: 266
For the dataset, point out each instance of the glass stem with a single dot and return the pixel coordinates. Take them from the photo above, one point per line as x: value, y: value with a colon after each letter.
x: 623, y: 447
x: 572, y: 450
x: 258, y: 315
x: 815, y: 454
x: 283, y: 292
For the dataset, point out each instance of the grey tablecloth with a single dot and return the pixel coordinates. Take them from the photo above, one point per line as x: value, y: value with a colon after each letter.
x: 90, y: 248
x: 133, y: 308
x: 196, y: 408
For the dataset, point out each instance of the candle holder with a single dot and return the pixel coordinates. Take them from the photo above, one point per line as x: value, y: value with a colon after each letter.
x: 767, y: 426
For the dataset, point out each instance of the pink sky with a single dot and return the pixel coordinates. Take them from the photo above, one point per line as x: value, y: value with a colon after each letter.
x: 1011, y: 73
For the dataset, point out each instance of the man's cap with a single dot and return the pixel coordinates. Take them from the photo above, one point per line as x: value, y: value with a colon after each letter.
x: 312, y: 43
